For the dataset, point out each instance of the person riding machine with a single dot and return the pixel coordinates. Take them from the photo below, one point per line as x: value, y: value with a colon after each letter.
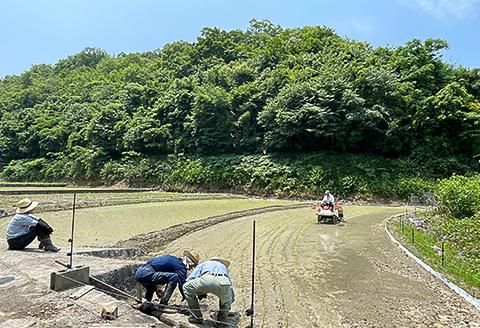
x: 328, y: 199
x: 328, y: 211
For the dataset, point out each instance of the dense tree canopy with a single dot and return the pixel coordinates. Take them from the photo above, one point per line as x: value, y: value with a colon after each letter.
x: 266, y: 89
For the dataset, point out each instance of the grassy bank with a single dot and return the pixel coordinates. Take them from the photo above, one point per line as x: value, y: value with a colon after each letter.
x: 456, y: 222
x: 424, y: 244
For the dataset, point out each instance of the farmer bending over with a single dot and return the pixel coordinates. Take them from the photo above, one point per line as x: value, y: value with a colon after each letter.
x: 166, y: 270
x: 209, y: 277
x: 24, y: 228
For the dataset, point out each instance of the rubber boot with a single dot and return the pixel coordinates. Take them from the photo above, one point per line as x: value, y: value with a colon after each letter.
x: 195, y: 319
x: 222, y: 315
x: 169, y: 289
x: 48, y: 245
x: 42, y: 244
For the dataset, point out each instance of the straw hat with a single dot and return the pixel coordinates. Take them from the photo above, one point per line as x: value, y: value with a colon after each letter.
x: 226, y: 263
x: 195, y: 257
x: 26, y: 205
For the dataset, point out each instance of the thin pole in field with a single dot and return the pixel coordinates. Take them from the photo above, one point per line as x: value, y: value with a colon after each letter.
x: 70, y: 265
x: 253, y: 273
x: 249, y: 312
x: 443, y: 252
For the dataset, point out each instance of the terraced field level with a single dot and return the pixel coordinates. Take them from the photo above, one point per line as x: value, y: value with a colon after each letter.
x: 104, y: 226
x: 346, y: 275
x: 308, y: 274
x: 63, y: 201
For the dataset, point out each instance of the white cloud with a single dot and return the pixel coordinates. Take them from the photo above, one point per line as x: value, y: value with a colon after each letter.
x: 458, y: 9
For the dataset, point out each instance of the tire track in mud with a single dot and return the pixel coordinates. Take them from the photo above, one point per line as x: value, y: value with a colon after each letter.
x: 305, y: 287
x: 277, y: 284
x: 289, y: 232
x: 311, y: 275
x: 269, y: 289
x: 290, y: 269
x: 276, y: 289
x: 299, y: 283
x: 267, y: 237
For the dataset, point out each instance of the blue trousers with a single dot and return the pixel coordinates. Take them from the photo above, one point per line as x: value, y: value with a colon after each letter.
x: 149, y: 278
x: 20, y: 242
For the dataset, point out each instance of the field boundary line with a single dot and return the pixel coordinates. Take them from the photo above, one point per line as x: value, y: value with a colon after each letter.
x: 85, y: 204
x: 71, y: 191
x: 32, y: 184
x: 155, y: 240
x: 458, y: 290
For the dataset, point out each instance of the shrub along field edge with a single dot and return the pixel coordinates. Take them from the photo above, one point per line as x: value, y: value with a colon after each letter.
x: 451, y: 228
x: 279, y: 175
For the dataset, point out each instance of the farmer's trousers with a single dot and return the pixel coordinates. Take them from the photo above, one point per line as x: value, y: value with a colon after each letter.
x: 219, y: 286
x: 149, y: 278
x: 41, y: 230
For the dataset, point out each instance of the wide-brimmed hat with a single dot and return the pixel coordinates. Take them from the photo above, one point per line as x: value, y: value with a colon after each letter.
x: 194, y: 256
x: 26, y: 205
x: 226, y: 263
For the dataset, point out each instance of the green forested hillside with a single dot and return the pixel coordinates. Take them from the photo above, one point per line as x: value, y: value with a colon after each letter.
x: 265, y: 90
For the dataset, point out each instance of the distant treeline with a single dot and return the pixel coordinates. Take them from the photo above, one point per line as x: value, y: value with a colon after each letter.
x: 261, y: 91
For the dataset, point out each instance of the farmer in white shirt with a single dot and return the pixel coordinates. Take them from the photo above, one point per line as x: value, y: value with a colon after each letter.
x: 24, y: 228
x: 328, y: 199
x: 210, y: 277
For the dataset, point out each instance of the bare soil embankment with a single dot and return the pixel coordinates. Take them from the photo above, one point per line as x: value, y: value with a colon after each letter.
x: 157, y: 240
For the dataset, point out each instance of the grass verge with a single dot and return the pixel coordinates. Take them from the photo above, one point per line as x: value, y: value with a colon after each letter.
x: 423, y: 245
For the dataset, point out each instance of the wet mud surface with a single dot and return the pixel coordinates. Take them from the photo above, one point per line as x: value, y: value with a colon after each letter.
x: 104, y: 226
x: 155, y: 241
x: 319, y: 275
x: 308, y: 274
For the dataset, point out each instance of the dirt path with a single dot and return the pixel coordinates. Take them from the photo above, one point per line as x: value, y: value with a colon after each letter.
x: 311, y: 275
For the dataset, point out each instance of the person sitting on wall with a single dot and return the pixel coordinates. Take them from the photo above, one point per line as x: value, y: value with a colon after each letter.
x: 25, y: 227
x: 166, y: 270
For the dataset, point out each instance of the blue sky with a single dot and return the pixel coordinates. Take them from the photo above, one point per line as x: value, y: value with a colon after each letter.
x: 44, y: 31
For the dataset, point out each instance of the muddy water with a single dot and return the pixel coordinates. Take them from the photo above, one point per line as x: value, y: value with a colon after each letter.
x: 311, y: 275
x: 105, y: 226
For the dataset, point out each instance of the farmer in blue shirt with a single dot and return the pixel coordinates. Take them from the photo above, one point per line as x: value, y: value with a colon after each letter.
x: 209, y: 277
x: 24, y: 228
x: 166, y: 270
